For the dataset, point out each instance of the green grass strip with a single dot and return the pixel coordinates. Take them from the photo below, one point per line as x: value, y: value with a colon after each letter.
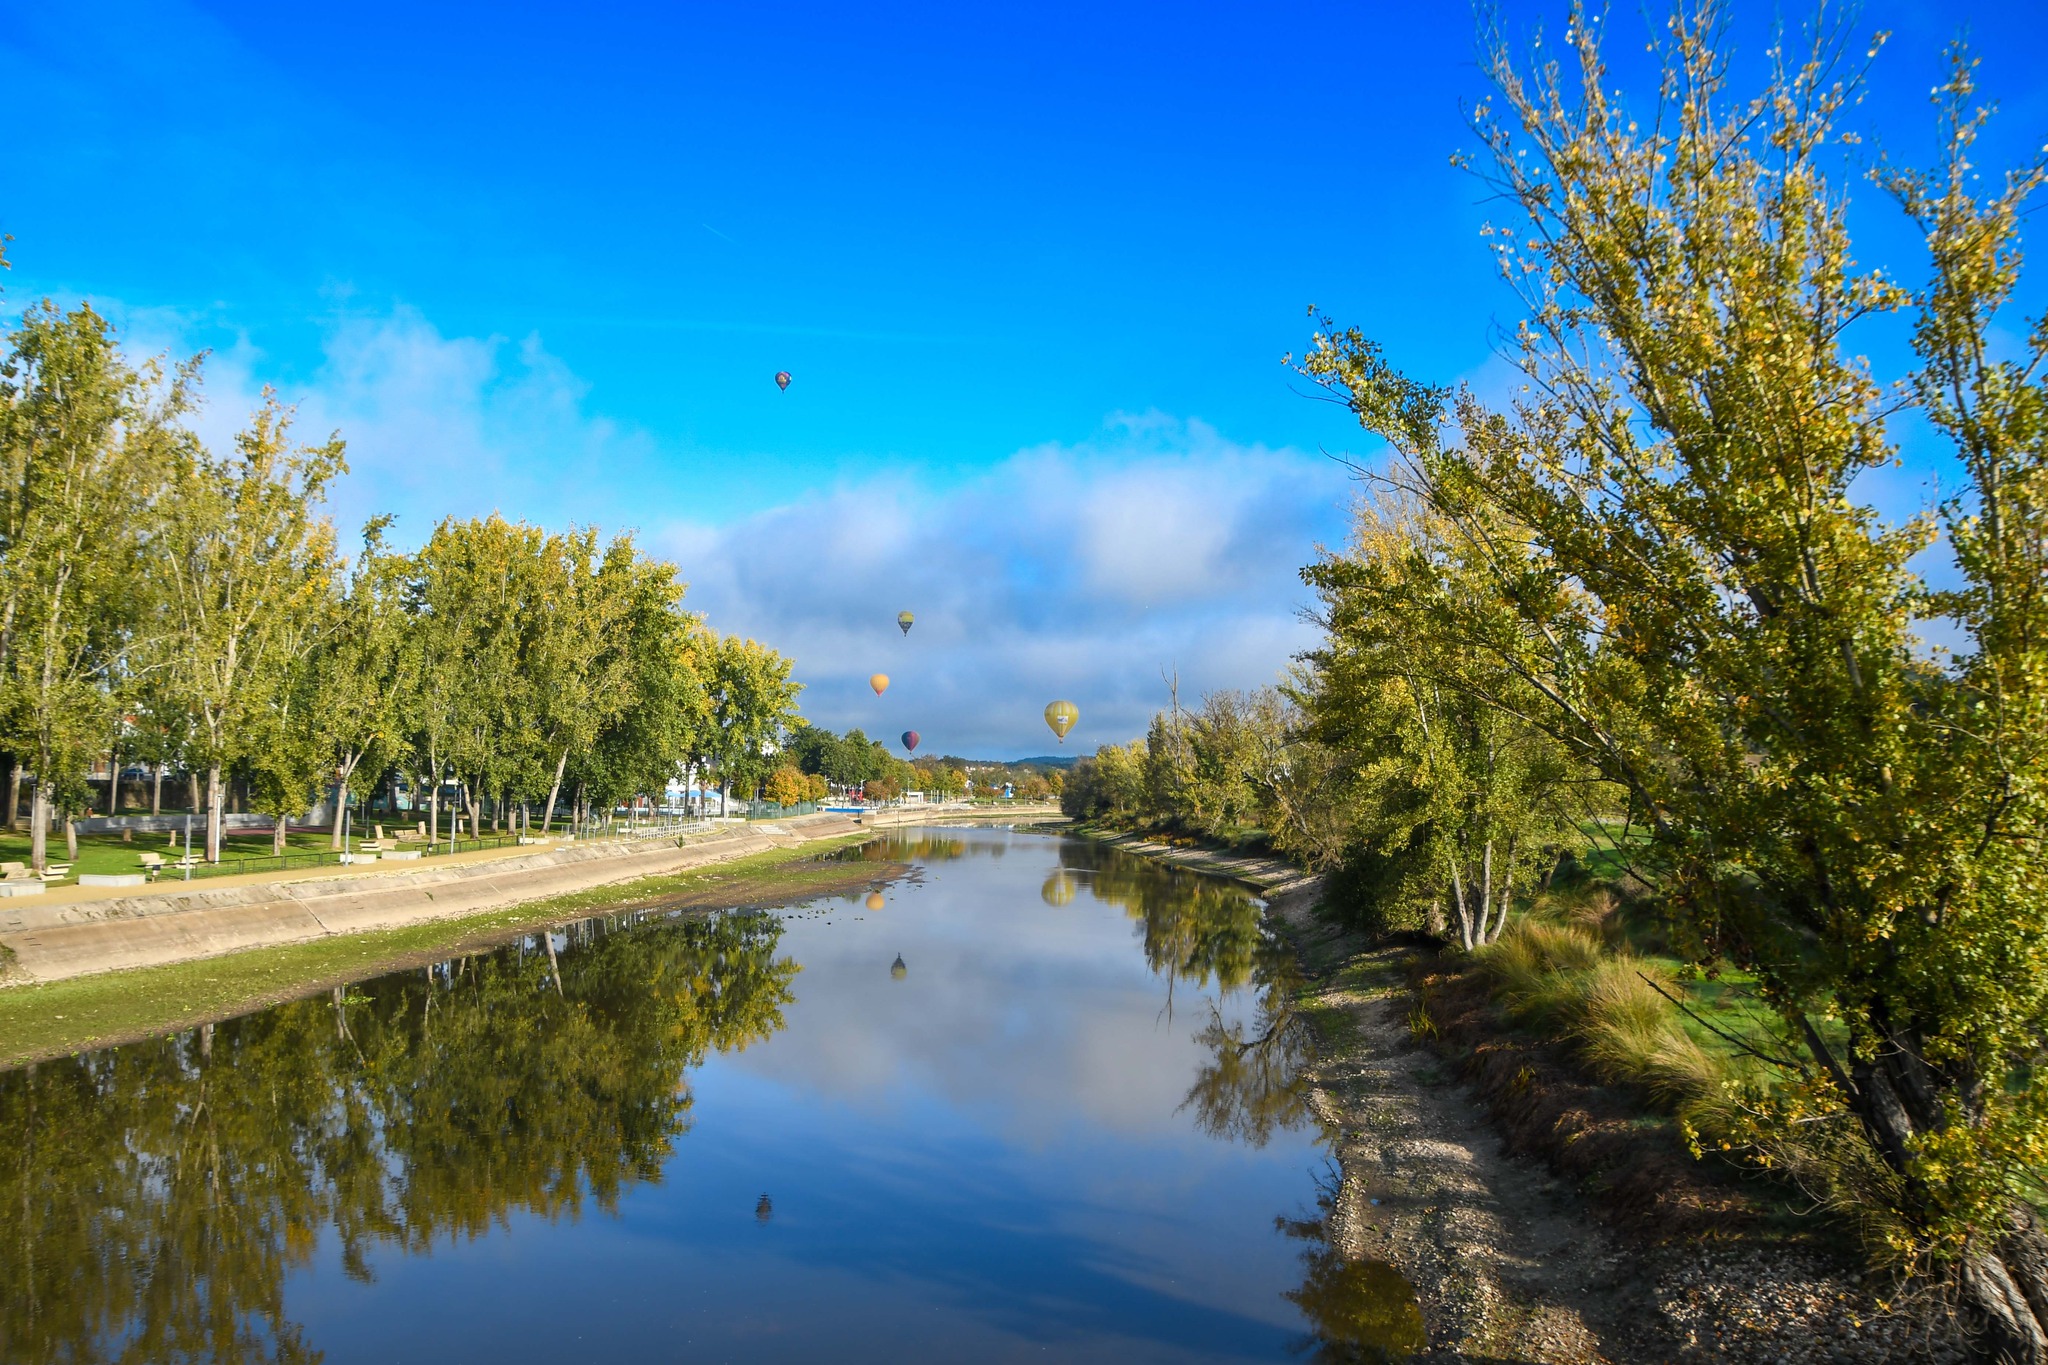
x: 63, y: 1017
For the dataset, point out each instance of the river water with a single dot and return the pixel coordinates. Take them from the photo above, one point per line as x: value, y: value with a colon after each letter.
x: 1030, y: 1099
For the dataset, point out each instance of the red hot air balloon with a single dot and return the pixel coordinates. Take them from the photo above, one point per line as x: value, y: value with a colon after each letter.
x: 910, y: 740
x: 782, y: 380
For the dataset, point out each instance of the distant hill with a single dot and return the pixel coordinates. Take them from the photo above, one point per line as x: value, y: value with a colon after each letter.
x: 1043, y: 761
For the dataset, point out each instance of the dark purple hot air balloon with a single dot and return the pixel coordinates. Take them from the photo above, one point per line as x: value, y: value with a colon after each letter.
x: 782, y: 380
x: 910, y: 740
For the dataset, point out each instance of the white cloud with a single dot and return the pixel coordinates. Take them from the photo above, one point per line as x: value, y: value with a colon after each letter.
x: 1082, y: 570
x: 435, y: 425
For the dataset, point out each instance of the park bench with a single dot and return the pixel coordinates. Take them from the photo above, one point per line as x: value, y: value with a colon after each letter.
x: 18, y: 872
x: 155, y: 863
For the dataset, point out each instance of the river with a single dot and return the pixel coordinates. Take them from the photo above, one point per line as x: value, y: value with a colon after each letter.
x: 1030, y: 1099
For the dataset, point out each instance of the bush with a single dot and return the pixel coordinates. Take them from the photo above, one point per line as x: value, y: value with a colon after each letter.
x: 1563, y: 979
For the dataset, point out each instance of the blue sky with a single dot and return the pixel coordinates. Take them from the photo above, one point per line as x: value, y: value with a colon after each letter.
x: 1032, y: 267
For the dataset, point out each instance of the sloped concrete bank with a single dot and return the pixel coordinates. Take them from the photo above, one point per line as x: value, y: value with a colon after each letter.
x: 51, y: 942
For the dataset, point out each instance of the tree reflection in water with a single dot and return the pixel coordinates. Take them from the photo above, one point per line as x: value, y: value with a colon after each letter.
x: 1252, y: 1084
x: 1204, y: 931
x: 153, y: 1197
x: 1359, y: 1312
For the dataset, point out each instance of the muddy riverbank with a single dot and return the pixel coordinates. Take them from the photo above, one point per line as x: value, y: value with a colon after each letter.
x: 1512, y: 1256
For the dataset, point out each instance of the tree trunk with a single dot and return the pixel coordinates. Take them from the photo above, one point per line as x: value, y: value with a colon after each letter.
x: 156, y: 790
x: 214, y: 796
x: 547, y: 824
x: 70, y: 839
x: 113, y: 783
x: 192, y: 791
x: 39, y: 827
x: 14, y: 797
x: 1458, y: 904
x: 348, y: 770
x: 2004, y: 1326
x: 277, y: 837
x: 1485, y: 889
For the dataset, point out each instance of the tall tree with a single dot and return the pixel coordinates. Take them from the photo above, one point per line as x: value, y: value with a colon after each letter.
x: 751, y: 703
x: 1712, y: 615
x: 85, y: 439
x: 365, y: 669
x: 245, y: 560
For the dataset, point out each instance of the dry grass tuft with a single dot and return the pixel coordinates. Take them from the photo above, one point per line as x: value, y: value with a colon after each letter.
x: 1563, y: 978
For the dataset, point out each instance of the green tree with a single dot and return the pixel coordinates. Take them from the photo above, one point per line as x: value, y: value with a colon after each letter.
x: 244, y: 562
x: 364, y: 671
x: 1680, y: 567
x: 86, y: 442
x: 751, y: 701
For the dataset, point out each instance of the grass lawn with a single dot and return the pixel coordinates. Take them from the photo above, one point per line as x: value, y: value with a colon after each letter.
x: 107, y: 853
x: 63, y: 1017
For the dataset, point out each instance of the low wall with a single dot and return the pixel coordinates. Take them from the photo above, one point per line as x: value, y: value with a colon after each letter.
x: 49, y: 942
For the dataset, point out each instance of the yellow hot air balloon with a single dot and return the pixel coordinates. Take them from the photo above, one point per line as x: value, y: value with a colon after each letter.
x: 875, y: 900
x: 1062, y: 716
x: 880, y: 682
x: 905, y: 620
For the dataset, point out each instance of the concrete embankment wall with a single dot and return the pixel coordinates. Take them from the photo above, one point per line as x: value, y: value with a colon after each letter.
x: 49, y: 942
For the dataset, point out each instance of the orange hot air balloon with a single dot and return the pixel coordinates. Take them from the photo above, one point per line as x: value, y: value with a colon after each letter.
x: 880, y: 682
x: 1062, y: 716
x: 782, y: 380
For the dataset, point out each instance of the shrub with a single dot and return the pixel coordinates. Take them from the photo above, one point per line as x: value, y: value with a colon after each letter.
x: 1560, y: 977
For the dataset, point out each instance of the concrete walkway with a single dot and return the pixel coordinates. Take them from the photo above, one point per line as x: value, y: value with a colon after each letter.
x: 76, y: 931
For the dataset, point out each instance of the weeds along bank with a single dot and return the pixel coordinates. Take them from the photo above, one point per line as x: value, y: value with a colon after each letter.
x: 1642, y: 616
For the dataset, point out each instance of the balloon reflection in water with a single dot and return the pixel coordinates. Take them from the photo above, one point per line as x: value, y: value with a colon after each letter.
x: 897, y: 969
x: 1059, y: 888
x: 875, y: 900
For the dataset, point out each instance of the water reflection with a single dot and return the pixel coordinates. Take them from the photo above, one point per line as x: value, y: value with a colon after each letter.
x: 152, y: 1198
x: 1359, y: 1312
x: 979, y: 1159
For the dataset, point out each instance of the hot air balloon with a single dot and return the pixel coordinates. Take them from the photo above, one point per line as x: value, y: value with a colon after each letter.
x: 880, y: 682
x: 875, y: 900
x: 905, y: 620
x: 1062, y: 716
x: 910, y: 740
x: 782, y: 380
x: 897, y: 969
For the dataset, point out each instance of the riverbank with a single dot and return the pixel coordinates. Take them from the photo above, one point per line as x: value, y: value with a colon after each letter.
x: 775, y: 865
x: 1512, y: 1255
